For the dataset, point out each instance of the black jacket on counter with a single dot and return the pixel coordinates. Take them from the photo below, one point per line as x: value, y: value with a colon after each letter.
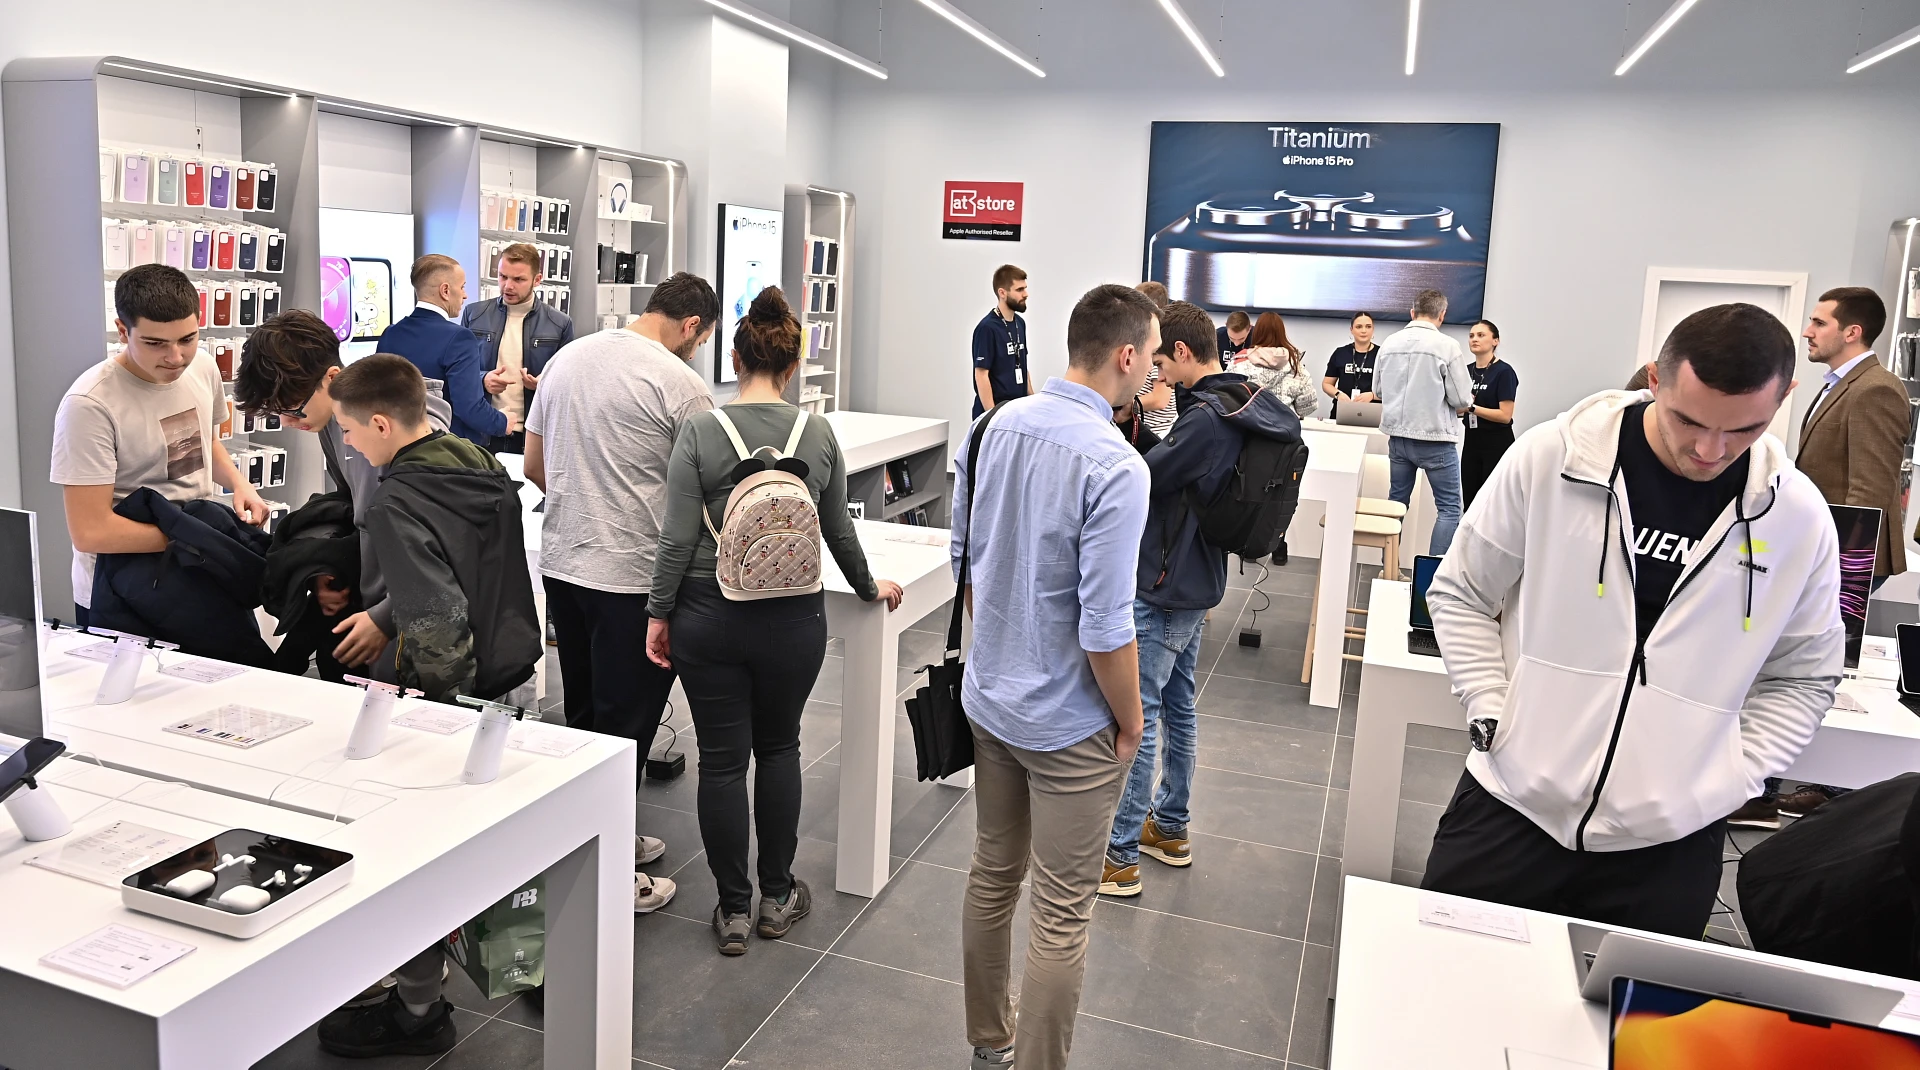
x: 200, y: 592
x: 317, y: 539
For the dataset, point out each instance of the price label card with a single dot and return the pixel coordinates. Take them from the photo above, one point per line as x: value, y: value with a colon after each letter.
x: 113, y: 852
x: 116, y: 955
x: 100, y: 651
x: 202, y: 672
x: 553, y: 741
x: 1471, y: 916
x: 438, y: 719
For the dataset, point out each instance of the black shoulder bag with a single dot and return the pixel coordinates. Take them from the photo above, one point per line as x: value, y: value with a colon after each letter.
x: 942, y: 738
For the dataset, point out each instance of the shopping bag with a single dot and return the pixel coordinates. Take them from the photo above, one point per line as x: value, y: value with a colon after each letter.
x: 504, y: 949
x: 942, y: 737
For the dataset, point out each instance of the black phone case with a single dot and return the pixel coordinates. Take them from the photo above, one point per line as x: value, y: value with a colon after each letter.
x: 263, y: 191
x: 276, y: 254
x: 248, y: 252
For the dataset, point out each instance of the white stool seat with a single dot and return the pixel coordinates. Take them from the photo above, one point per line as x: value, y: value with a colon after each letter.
x: 1364, y: 524
x: 1380, y: 507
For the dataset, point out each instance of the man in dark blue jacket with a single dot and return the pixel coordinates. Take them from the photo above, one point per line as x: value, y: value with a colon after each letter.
x: 518, y: 334
x: 1181, y: 577
x: 446, y: 351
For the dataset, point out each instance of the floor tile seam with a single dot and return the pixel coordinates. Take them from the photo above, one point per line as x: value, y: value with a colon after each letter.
x: 1313, y: 888
x: 1261, y: 776
x: 895, y: 969
x: 464, y: 1037
x: 1110, y: 901
x: 1267, y: 724
x: 649, y: 1062
x: 1180, y: 1036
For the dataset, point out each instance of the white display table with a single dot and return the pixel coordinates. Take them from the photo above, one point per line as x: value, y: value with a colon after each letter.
x: 430, y: 854
x: 1850, y: 750
x: 871, y: 438
x: 1409, y: 994
x: 1303, y: 536
x: 1332, y: 479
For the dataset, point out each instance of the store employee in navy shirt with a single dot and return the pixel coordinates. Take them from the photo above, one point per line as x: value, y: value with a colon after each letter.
x: 1000, y: 344
x: 1489, y: 419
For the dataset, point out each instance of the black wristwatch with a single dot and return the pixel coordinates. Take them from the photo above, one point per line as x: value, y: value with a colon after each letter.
x: 1480, y: 731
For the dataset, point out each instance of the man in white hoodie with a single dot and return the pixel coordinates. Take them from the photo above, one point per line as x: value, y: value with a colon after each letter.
x: 1641, y: 615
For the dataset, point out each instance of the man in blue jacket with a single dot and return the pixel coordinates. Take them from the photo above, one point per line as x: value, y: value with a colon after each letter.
x: 446, y: 351
x: 1181, y: 576
x: 518, y: 334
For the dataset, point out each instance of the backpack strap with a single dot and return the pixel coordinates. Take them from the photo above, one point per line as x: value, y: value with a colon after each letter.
x: 966, y: 541
x: 793, y: 440
x: 733, y: 434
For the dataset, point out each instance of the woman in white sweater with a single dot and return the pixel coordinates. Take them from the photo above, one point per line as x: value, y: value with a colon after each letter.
x: 1275, y: 363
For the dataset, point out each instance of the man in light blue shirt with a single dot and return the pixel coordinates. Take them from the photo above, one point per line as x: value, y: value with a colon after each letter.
x: 1052, y: 687
x: 1423, y: 376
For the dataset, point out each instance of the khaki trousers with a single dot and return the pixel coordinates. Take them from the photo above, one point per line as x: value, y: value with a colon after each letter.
x: 1054, y: 808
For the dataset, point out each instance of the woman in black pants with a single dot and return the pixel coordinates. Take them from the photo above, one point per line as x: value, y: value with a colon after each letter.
x: 1490, y: 419
x: 748, y: 666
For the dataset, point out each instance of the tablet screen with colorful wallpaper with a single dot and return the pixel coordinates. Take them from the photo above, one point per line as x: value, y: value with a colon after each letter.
x: 336, y: 295
x: 1661, y: 1028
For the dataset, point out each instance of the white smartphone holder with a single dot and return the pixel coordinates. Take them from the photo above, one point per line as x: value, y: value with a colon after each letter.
x: 37, y: 814
x: 123, y: 668
x: 376, y: 711
x: 489, y: 740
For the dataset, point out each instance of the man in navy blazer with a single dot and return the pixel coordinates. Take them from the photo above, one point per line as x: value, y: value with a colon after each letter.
x: 444, y: 350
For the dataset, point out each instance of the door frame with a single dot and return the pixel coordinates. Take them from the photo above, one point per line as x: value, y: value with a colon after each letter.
x: 1794, y: 281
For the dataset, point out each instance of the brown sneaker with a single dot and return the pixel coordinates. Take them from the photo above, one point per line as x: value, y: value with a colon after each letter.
x: 1803, y: 802
x: 1122, y: 881
x: 1761, y: 813
x: 1173, y: 850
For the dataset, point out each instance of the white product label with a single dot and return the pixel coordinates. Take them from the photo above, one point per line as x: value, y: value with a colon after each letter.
x: 1471, y: 916
x: 535, y: 737
x: 116, y: 955
x: 202, y: 672
x: 438, y: 719
x: 112, y: 853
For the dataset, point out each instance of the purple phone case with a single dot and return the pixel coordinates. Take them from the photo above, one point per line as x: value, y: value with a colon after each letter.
x: 202, y: 248
x: 219, y: 182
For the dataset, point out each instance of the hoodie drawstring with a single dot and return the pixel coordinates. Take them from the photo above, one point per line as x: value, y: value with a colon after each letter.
x: 1740, y: 516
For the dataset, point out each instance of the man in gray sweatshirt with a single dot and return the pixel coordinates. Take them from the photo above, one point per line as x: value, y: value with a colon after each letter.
x: 284, y: 370
x: 1422, y: 376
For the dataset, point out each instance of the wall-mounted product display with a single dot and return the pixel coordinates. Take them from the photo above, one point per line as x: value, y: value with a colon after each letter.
x: 747, y: 259
x: 821, y: 226
x: 1321, y: 218
x: 511, y: 212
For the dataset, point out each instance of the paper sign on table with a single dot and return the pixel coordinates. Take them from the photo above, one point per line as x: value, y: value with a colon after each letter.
x: 116, y: 955
x: 553, y: 741
x: 438, y: 719
x: 100, y: 651
x: 201, y: 672
x: 112, y: 852
x: 238, y: 726
x: 1471, y: 916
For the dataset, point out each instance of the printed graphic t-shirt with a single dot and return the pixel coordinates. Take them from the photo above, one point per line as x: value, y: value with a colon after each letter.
x: 1001, y: 349
x: 1352, y: 369
x: 1671, y: 514
x: 115, y: 427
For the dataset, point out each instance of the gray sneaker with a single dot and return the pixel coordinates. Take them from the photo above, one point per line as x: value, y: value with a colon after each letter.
x: 732, y: 931
x: 776, y: 918
x: 992, y: 1058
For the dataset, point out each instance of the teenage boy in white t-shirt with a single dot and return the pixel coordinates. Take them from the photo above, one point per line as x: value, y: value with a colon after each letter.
x: 148, y: 417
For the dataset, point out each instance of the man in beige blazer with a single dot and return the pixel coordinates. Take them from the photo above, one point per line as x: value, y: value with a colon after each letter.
x: 1854, y: 437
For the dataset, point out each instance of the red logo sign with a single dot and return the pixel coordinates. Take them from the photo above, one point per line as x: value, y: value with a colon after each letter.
x: 983, y: 211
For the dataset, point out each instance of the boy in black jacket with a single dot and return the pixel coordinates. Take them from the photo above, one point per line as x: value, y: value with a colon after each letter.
x: 445, y: 523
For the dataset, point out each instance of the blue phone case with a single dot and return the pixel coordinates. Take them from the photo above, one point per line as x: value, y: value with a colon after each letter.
x: 202, y: 248
x: 249, y: 253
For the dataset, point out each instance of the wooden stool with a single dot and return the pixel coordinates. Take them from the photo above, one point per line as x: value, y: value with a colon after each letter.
x: 1386, y: 507
x: 1381, y: 533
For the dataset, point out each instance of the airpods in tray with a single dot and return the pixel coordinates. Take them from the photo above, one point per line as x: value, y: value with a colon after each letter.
x: 239, y: 883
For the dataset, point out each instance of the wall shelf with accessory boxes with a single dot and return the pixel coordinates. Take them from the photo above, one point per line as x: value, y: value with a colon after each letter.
x: 819, y: 235
x: 896, y: 466
x: 640, y: 233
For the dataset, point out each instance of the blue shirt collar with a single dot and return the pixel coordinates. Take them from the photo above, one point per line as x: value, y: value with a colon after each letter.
x: 1084, y: 395
x: 1834, y: 375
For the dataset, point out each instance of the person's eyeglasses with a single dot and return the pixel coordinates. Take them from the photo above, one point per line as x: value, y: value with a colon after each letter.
x: 297, y: 414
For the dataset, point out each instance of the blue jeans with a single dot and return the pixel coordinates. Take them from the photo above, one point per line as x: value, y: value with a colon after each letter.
x: 1441, y: 462
x: 1169, y: 652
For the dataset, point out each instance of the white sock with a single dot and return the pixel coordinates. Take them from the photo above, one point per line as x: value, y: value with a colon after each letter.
x: 418, y: 1010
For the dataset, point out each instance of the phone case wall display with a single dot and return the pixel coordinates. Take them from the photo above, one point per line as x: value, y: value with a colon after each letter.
x: 132, y: 176
x: 556, y: 260
x: 192, y: 245
x: 507, y: 211
x: 263, y: 466
x: 619, y: 267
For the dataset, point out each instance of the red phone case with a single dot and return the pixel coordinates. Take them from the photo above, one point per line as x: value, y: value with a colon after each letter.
x: 196, y: 184
x: 223, y: 307
x: 223, y: 250
x: 243, y: 179
x: 202, y: 291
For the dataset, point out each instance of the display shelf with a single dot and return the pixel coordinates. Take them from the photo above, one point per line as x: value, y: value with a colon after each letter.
x: 818, y: 237
x: 911, y: 502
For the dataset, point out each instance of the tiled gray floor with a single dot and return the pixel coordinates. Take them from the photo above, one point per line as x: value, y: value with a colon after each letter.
x: 693, y: 1008
x: 1413, y: 834
x: 1429, y: 776
x: 1232, y: 882
x: 1265, y: 702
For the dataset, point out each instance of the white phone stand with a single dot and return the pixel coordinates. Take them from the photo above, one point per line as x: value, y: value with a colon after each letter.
x: 123, y: 668
x: 376, y: 711
x: 36, y: 813
x: 489, y: 740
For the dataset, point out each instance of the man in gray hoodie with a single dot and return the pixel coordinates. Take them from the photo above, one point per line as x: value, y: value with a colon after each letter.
x: 1422, y: 377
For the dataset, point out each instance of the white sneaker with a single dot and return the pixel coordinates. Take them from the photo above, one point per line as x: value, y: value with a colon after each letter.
x: 646, y: 849
x: 651, y: 893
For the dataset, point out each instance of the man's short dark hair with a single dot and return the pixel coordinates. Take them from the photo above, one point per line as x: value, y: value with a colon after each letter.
x: 1005, y: 276
x: 1858, y: 306
x: 382, y: 384
x: 284, y: 361
x: 1430, y: 303
x: 1189, y: 323
x: 1735, y: 349
x: 684, y: 295
x: 1238, y: 320
x: 1107, y: 317
x: 155, y: 293
x: 428, y: 268
x: 1157, y: 291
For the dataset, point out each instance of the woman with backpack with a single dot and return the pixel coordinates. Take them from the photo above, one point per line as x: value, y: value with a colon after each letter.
x: 752, y: 490
x: 1272, y: 361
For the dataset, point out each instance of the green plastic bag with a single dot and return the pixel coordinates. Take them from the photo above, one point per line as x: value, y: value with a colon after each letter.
x: 504, y: 949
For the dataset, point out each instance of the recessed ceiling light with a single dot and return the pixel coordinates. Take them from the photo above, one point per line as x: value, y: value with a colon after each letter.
x: 1659, y: 30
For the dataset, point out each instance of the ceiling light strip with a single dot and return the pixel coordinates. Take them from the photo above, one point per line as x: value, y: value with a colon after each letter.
x: 979, y: 33
x: 794, y: 33
x: 202, y: 81
x: 484, y: 132
x: 1884, y: 49
x: 1659, y: 30
x: 1413, y: 33
x: 382, y: 111
x: 1179, y: 16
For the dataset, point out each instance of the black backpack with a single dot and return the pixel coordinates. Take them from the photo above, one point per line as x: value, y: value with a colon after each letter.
x: 1249, y: 516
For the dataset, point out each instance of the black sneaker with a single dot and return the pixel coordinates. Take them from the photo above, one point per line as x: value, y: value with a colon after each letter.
x: 777, y: 918
x: 388, y: 1028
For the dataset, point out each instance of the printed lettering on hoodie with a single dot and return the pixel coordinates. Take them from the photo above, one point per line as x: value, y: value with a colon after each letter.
x: 1662, y: 545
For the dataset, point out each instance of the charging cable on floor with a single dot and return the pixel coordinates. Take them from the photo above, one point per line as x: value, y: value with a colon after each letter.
x: 1250, y: 635
x: 669, y: 762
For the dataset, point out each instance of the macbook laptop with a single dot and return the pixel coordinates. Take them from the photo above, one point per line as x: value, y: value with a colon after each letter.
x: 1674, y: 1028
x: 1420, y: 637
x: 1907, y: 649
x: 1358, y: 414
x: 1602, y: 955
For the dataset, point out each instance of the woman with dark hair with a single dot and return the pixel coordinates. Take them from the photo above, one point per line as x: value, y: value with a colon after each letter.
x: 1273, y: 362
x: 1350, y: 368
x: 1490, y: 418
x: 748, y: 666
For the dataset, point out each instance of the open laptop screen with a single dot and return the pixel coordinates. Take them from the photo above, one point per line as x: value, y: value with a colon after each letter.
x: 1859, y: 529
x: 1660, y: 1028
x: 1423, y: 570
